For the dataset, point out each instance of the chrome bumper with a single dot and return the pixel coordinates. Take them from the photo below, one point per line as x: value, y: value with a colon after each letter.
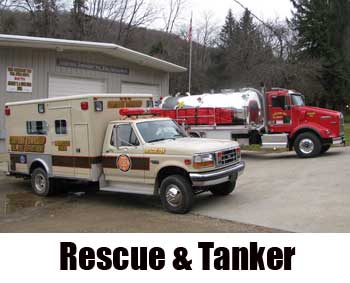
x: 338, y: 141
x: 217, y: 177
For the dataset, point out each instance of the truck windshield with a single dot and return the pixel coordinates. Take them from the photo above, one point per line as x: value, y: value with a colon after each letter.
x: 153, y: 131
x: 298, y: 99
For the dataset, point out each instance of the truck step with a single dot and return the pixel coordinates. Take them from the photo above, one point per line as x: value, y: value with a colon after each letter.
x: 131, y: 188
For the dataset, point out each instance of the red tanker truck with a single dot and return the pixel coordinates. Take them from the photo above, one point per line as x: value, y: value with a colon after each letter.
x: 278, y: 118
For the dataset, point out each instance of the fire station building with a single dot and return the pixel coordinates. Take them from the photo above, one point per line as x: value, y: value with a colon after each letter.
x: 34, y: 68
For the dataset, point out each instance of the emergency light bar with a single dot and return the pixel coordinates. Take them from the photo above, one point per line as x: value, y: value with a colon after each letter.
x: 139, y: 111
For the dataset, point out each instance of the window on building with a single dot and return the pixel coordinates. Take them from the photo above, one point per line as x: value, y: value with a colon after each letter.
x: 61, y: 127
x: 124, y: 136
x: 37, y: 127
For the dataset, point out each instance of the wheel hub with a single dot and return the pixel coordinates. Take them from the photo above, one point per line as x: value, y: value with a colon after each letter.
x: 40, y: 183
x: 174, y: 196
x: 306, y: 146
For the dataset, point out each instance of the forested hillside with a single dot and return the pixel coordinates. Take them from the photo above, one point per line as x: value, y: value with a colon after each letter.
x: 309, y: 52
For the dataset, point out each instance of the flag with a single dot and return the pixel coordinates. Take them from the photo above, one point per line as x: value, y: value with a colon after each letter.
x: 190, y: 31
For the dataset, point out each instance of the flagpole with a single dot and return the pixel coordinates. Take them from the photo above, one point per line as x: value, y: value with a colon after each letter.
x: 190, y: 63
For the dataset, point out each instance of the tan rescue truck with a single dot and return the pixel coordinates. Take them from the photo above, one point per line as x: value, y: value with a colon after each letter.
x: 86, y: 138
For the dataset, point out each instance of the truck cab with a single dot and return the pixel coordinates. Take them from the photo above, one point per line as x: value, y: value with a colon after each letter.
x: 309, y: 130
x: 277, y: 118
x: 101, y: 139
x: 154, y: 156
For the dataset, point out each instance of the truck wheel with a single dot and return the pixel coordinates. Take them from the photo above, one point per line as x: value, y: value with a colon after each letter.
x: 41, y: 184
x: 223, y: 189
x: 176, y: 194
x: 307, y: 145
x: 325, y: 148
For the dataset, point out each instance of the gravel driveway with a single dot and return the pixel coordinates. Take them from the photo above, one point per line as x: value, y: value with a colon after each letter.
x: 284, y: 192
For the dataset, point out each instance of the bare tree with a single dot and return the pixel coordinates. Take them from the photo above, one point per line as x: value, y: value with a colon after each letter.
x: 279, y: 36
x: 172, y: 14
x: 43, y: 15
x: 141, y: 13
x: 206, y: 33
x: 4, y: 4
x: 121, y: 16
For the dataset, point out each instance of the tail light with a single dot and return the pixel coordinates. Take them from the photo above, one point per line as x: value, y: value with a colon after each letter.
x: 7, y: 111
x: 84, y: 105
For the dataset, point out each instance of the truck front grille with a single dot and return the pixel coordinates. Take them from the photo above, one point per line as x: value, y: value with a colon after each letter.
x: 226, y: 157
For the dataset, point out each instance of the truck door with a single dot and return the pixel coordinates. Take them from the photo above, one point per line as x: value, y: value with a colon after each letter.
x: 280, y: 114
x: 125, y: 162
x: 82, y: 162
x: 61, y: 142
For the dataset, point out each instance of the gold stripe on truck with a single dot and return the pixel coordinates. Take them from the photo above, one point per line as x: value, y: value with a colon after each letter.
x: 124, y: 104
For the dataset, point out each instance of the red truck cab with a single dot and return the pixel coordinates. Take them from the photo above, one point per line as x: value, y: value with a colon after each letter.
x: 311, y: 130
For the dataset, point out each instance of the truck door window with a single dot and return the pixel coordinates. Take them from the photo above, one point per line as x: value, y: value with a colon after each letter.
x: 37, y: 127
x: 279, y: 101
x: 298, y: 100
x: 125, y: 136
x: 61, y: 127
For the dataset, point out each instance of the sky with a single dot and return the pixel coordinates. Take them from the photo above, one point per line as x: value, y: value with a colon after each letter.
x: 265, y: 9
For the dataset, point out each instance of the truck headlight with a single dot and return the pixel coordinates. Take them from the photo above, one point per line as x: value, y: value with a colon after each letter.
x: 203, y: 160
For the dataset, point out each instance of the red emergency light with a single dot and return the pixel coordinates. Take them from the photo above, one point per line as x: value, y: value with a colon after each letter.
x: 7, y: 111
x: 84, y: 105
x: 139, y: 111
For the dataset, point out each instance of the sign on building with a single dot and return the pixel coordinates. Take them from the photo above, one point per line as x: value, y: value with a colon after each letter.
x: 19, y: 79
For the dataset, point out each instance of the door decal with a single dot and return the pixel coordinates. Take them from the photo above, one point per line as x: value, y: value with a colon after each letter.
x: 124, y: 163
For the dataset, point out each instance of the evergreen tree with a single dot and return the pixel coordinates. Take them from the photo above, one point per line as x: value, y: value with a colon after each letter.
x: 228, y: 31
x: 322, y: 32
x: 241, y: 54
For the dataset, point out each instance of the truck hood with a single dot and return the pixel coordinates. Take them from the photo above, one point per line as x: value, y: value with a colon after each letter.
x: 190, y: 146
x: 319, y: 111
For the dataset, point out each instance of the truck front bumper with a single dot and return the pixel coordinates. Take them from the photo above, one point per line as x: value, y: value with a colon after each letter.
x: 338, y: 141
x: 217, y: 177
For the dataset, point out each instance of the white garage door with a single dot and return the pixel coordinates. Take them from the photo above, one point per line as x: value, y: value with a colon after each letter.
x: 141, y: 88
x: 65, y: 86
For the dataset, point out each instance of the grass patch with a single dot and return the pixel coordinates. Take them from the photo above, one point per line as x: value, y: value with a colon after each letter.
x: 347, y: 133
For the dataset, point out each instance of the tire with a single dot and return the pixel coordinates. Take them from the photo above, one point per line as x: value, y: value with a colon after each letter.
x: 223, y: 189
x: 307, y: 145
x: 176, y: 194
x: 42, y: 185
x: 325, y: 148
x: 194, y: 135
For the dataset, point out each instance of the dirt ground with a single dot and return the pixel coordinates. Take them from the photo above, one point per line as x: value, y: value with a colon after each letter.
x: 74, y: 211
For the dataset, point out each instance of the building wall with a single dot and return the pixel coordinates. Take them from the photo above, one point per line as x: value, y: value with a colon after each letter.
x: 43, y: 63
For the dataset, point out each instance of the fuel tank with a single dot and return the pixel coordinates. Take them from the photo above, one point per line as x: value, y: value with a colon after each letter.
x: 247, y: 104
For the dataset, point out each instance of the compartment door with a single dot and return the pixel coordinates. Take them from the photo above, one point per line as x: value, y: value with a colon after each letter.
x: 81, y: 151
x: 61, y: 142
